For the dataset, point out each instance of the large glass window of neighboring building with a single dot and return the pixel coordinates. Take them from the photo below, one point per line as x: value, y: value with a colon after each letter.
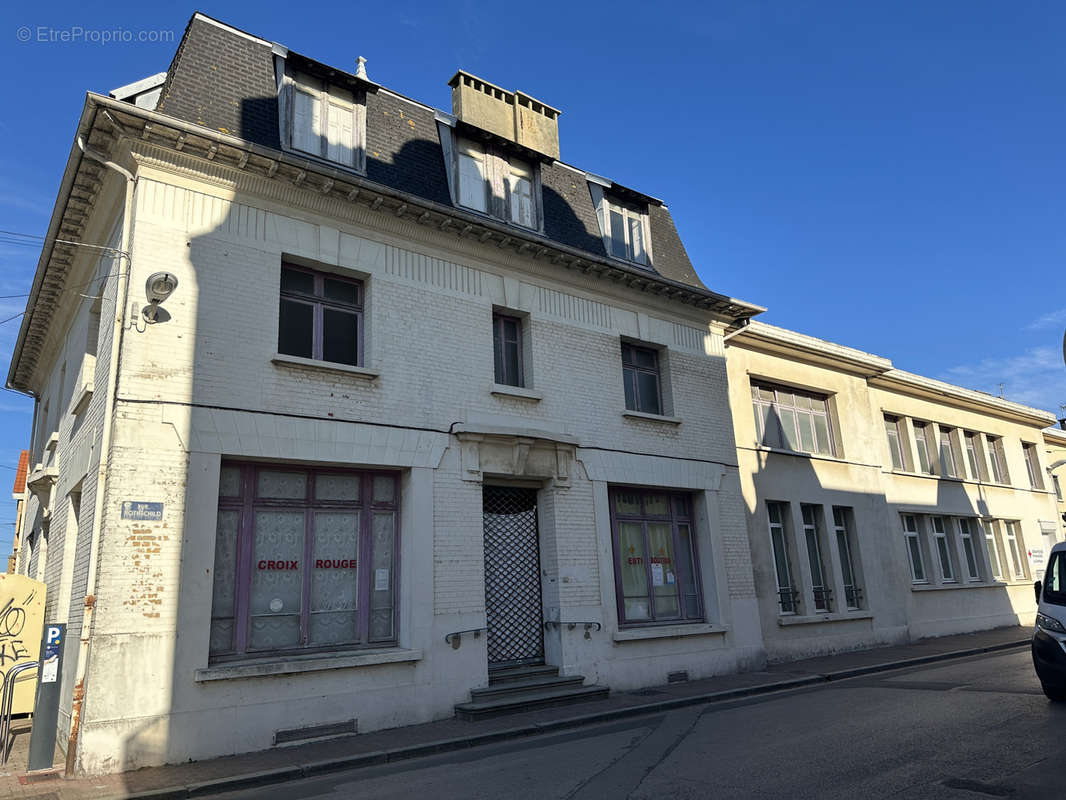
x: 656, y: 566
x: 792, y: 419
x: 305, y: 559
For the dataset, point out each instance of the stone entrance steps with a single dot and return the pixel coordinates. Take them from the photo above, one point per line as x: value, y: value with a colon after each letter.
x: 515, y: 689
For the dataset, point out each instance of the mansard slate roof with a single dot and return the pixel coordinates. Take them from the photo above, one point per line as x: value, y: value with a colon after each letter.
x: 224, y: 80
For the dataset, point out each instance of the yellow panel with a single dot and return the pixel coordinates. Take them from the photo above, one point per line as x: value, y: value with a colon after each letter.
x: 21, y: 625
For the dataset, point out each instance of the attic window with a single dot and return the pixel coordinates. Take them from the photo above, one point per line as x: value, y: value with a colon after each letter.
x: 623, y: 225
x: 325, y: 121
x: 497, y: 184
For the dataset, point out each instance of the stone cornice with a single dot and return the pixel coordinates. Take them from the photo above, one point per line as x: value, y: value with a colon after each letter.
x: 218, y: 157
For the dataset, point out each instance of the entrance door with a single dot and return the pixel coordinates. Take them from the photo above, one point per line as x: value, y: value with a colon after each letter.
x: 512, y: 577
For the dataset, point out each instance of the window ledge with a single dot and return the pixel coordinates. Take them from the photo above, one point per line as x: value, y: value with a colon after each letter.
x: 833, y: 616
x: 947, y: 587
x: 652, y: 417
x: 669, y: 632
x: 328, y: 366
x: 801, y: 454
x: 297, y: 664
x: 516, y: 391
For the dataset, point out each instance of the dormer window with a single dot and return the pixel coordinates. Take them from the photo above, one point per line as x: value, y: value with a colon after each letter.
x: 623, y: 224
x: 625, y: 232
x: 325, y: 121
x: 495, y: 183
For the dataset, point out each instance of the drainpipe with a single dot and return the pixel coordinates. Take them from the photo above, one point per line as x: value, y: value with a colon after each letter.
x: 87, y: 622
x: 743, y: 327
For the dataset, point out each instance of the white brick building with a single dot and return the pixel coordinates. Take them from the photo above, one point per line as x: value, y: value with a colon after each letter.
x: 358, y: 385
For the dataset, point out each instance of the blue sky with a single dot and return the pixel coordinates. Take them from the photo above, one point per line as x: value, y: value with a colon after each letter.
x: 888, y: 176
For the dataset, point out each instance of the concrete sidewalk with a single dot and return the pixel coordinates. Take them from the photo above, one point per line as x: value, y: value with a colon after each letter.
x: 208, y: 777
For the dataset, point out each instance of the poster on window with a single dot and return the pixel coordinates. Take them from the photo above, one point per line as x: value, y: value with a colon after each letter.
x: 657, y: 575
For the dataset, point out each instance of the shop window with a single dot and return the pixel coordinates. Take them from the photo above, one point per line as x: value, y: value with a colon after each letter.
x: 305, y: 560
x: 656, y: 565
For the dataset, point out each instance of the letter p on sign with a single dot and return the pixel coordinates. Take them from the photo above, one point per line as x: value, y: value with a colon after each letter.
x: 53, y: 635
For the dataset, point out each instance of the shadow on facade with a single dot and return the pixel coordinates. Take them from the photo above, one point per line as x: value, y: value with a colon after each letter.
x: 219, y: 385
x: 836, y: 567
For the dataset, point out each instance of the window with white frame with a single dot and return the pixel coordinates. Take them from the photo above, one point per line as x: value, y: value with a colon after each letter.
x: 792, y: 419
x: 1032, y: 465
x: 1058, y: 487
x: 948, y: 467
x: 823, y: 594
x: 921, y: 444
x: 624, y: 229
x: 998, y: 458
x: 914, y: 548
x: 846, y: 551
x: 973, y: 456
x: 496, y: 183
x: 895, y: 443
x: 995, y: 564
x: 969, y: 550
x: 943, y: 550
x: 327, y: 121
x: 787, y: 596
x: 1016, y: 548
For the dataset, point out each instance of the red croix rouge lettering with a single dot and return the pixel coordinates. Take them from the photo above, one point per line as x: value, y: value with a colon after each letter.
x: 272, y: 564
x: 335, y: 563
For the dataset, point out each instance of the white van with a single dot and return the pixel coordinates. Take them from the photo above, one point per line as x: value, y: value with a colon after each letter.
x: 1049, y: 639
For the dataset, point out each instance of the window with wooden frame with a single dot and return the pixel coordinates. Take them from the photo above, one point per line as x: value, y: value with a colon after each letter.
x: 624, y: 228
x: 305, y: 560
x: 496, y: 183
x: 998, y: 458
x: 657, y: 577
x: 320, y: 316
x: 642, y: 379
x: 507, y: 350
x: 842, y: 527
x: 787, y: 594
x: 812, y: 534
x: 973, y: 456
x: 792, y: 419
x: 895, y: 447
x: 921, y: 444
x: 943, y: 546
x: 969, y: 549
x: 326, y: 121
x: 1032, y: 466
x: 914, y: 548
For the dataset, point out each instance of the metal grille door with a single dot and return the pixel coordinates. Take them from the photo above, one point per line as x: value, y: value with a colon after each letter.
x: 512, y: 576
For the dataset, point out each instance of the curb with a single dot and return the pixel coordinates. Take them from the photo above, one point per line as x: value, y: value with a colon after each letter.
x: 378, y: 757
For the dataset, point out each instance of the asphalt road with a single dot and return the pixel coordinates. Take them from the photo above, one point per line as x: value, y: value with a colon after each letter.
x: 969, y: 729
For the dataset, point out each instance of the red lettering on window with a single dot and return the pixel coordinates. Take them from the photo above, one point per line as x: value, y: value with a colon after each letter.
x: 262, y: 565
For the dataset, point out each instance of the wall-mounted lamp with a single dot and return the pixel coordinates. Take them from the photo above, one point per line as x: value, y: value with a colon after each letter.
x: 159, y: 287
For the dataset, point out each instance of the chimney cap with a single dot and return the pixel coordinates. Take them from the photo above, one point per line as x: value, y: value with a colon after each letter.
x: 511, y: 96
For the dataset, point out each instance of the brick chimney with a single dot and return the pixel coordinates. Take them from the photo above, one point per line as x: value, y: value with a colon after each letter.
x: 513, y: 115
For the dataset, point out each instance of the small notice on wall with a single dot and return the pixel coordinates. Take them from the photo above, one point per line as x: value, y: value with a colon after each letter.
x: 147, y: 512
x: 1036, y: 559
x: 657, y: 575
x: 381, y: 580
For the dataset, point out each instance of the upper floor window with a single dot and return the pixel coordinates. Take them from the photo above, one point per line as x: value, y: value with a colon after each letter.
x: 1058, y: 487
x: 921, y: 443
x: 641, y: 379
x: 625, y: 231
x: 792, y: 419
x: 998, y: 459
x: 496, y: 184
x: 1032, y: 465
x: 947, y: 454
x: 507, y: 350
x: 321, y: 316
x: 327, y: 121
x: 894, y: 441
x: 973, y: 457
